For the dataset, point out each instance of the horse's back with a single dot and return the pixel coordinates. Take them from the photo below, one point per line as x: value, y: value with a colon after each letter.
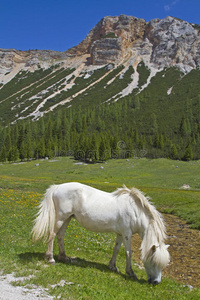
x: 94, y: 209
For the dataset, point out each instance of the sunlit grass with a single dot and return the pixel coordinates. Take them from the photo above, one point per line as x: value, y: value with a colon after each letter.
x: 88, y: 276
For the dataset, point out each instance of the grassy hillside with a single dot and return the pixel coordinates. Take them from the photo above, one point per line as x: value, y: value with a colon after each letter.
x: 161, y: 118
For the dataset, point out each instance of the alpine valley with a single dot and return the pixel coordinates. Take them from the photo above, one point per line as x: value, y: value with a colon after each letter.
x: 130, y: 88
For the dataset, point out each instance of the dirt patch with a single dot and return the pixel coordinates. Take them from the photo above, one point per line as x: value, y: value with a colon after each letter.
x: 184, y: 251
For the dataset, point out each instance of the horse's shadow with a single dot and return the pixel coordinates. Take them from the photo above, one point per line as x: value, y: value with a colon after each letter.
x: 74, y: 261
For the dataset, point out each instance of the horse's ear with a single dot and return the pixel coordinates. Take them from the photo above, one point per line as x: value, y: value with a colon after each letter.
x: 167, y: 246
x: 153, y: 248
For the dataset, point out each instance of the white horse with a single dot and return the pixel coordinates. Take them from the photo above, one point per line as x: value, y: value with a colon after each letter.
x: 124, y: 212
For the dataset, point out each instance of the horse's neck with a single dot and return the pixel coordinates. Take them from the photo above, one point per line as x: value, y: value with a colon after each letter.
x: 142, y: 222
x: 152, y: 236
x: 150, y: 228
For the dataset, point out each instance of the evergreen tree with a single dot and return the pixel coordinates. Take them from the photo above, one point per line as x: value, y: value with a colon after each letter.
x: 136, y: 102
x: 22, y: 151
x: 40, y: 149
x: 93, y: 150
x: 21, y: 135
x: 79, y: 153
x: 136, y: 137
x: 13, y: 154
x: 49, y: 150
x: 104, y: 149
x: 161, y: 142
x: 3, y: 154
x: 154, y: 124
x: 188, y: 153
x: 48, y: 130
x: 8, y: 142
x: 84, y: 123
x: 183, y: 128
x: 29, y: 149
x: 157, y: 141
x: 174, y: 152
x: 78, y: 122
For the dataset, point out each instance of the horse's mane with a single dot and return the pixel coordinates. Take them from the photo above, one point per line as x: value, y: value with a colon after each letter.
x: 155, y: 234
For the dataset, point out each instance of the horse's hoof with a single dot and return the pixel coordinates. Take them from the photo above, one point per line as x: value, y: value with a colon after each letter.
x: 113, y: 268
x: 50, y: 260
x: 64, y: 259
x: 132, y: 276
x: 135, y: 278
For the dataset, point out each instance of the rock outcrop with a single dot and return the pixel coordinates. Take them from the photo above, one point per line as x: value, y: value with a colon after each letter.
x: 166, y: 42
x: 108, y: 40
x: 161, y: 43
x: 10, y: 58
x: 174, y: 42
x: 106, y: 50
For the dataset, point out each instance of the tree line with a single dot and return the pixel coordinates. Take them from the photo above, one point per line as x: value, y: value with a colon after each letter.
x: 92, y: 135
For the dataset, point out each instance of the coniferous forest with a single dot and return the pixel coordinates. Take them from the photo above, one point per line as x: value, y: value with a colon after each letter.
x: 109, y: 131
x: 151, y: 123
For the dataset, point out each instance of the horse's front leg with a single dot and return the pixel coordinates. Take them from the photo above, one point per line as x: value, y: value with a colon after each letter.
x: 127, y: 244
x: 112, y: 263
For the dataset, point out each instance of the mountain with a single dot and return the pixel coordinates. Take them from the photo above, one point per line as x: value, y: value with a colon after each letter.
x: 150, y: 67
x: 37, y: 81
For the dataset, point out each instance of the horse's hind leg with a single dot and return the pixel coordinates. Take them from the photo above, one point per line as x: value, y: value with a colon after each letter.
x: 112, y: 263
x: 49, y: 252
x: 60, y: 235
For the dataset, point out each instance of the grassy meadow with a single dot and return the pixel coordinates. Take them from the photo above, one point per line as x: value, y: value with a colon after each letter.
x: 87, y: 276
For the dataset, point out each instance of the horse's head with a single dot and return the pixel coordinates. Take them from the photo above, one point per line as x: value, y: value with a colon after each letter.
x: 157, y: 259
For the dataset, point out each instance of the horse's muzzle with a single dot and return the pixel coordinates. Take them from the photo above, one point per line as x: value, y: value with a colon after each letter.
x: 153, y: 282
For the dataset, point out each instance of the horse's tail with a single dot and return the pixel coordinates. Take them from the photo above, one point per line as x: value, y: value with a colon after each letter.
x: 45, y: 219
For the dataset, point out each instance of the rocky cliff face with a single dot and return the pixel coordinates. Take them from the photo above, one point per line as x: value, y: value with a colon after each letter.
x: 159, y: 43
x: 109, y: 39
x: 164, y: 43
x: 10, y: 58
x: 174, y: 42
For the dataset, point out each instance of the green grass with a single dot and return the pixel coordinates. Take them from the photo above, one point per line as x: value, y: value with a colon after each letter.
x: 22, y: 186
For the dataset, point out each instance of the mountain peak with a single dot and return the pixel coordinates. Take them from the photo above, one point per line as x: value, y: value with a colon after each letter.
x: 119, y: 57
x: 165, y: 42
x: 159, y: 43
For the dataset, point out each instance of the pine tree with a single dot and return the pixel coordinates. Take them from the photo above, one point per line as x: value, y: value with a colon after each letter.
x: 21, y: 135
x: 49, y: 150
x: 156, y: 140
x: 183, y: 128
x: 161, y: 142
x: 3, y: 154
x: 174, y: 152
x: 78, y: 122
x: 49, y: 129
x: 29, y: 149
x: 154, y: 128
x: 8, y: 142
x: 40, y: 149
x: 104, y: 149
x: 22, y: 151
x: 93, y: 150
x: 188, y: 153
x: 13, y: 154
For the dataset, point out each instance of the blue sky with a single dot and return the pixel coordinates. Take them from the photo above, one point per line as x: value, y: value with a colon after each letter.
x: 62, y: 24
